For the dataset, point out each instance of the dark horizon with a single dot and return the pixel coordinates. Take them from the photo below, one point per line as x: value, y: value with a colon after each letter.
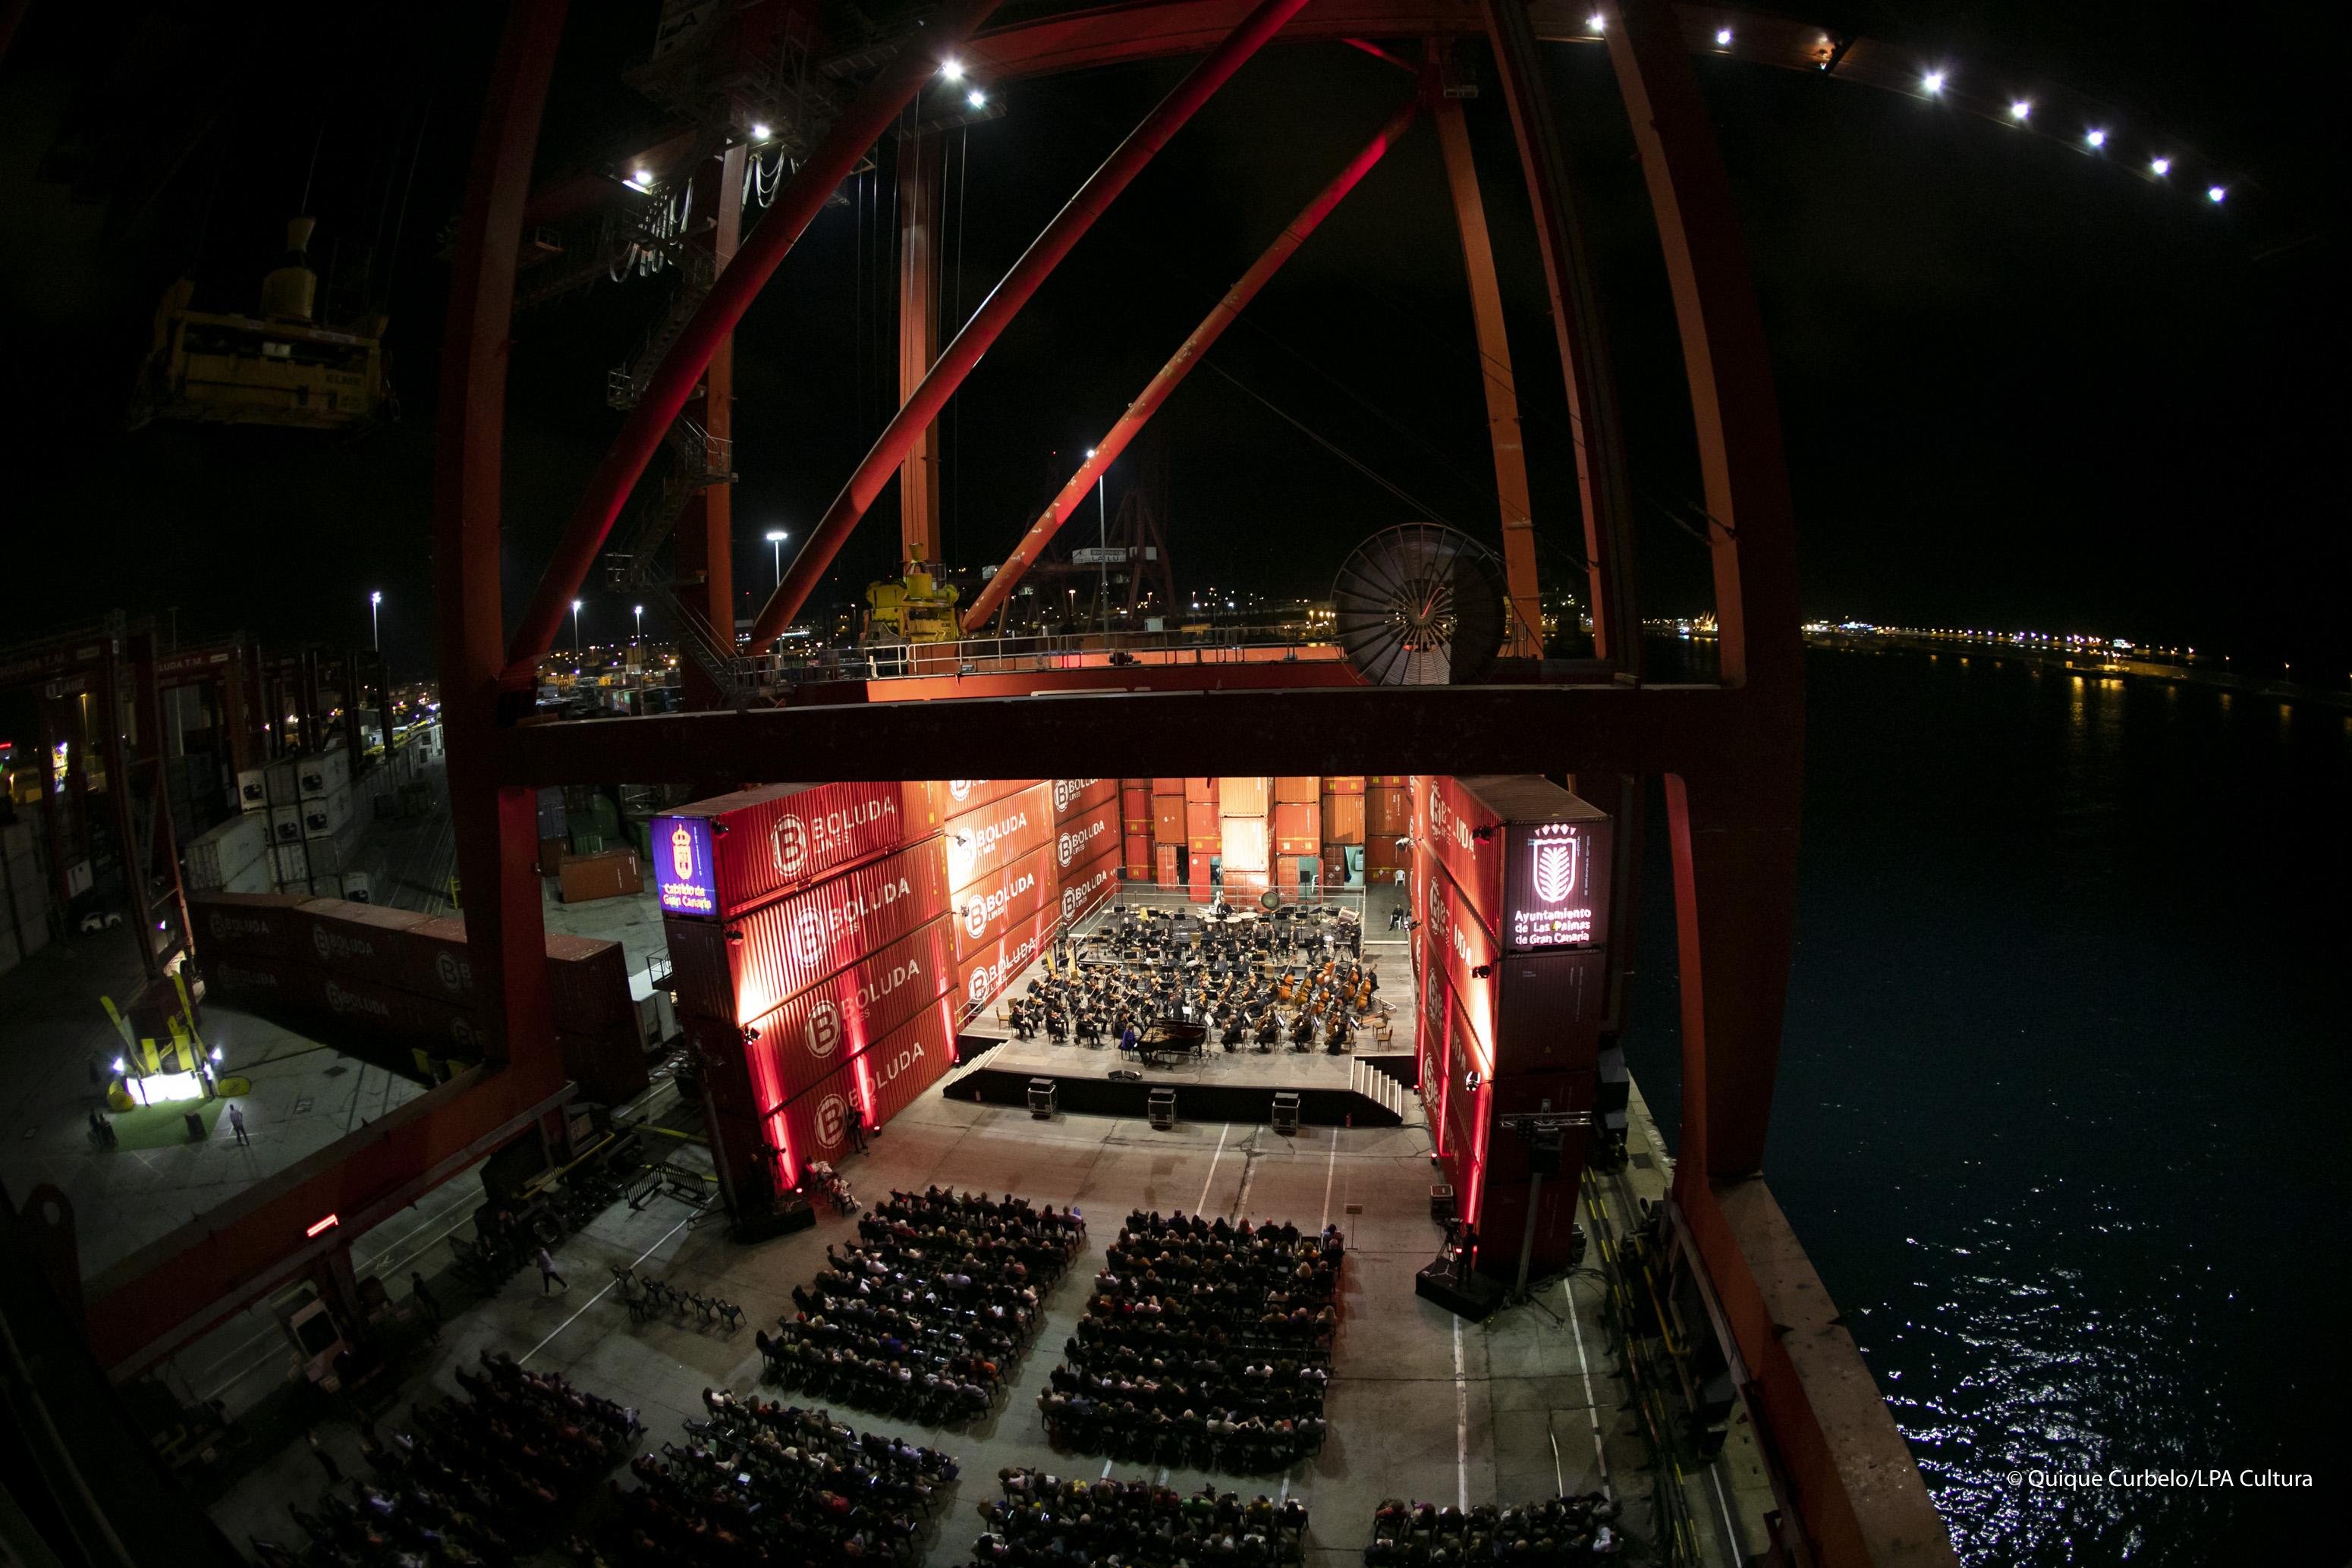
x: 2020, y: 389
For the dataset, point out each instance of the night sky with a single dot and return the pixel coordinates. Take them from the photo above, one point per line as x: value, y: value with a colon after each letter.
x: 2021, y: 389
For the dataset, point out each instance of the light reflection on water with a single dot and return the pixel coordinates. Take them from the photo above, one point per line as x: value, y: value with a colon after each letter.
x: 2058, y: 1106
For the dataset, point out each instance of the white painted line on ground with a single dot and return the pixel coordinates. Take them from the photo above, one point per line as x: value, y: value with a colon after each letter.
x: 1164, y: 1475
x: 1105, y: 1475
x: 1592, y: 1410
x: 1202, y: 1207
x: 1735, y: 1545
x: 1330, y: 1169
x: 1286, y: 1491
x: 607, y: 1291
x: 1461, y: 1426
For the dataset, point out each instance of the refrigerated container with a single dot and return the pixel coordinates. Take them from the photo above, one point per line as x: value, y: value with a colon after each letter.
x: 219, y: 855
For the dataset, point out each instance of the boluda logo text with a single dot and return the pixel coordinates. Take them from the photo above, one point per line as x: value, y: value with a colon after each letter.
x: 1071, y: 843
x: 348, y: 1003
x: 1075, y: 895
x: 987, y: 979
x: 226, y: 927
x: 813, y: 929
x: 334, y: 946
x: 981, y: 909
x: 802, y: 843
x: 824, y: 1033
x: 984, y: 837
x: 1445, y: 822
x: 1069, y: 789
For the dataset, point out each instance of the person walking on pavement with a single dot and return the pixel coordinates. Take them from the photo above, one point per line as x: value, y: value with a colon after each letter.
x: 237, y: 1125
x: 326, y: 1460
x: 547, y: 1273
x: 855, y: 1127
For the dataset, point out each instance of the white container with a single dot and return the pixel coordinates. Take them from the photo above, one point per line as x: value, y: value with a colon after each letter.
x: 323, y: 773
x: 252, y: 791
x: 326, y: 817
x: 258, y: 877
x: 286, y: 824
x: 217, y: 855
x: 281, y: 781
x: 657, y: 1016
x: 294, y: 865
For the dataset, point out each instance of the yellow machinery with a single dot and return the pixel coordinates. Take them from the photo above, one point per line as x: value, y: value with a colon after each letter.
x: 279, y: 369
x: 918, y: 608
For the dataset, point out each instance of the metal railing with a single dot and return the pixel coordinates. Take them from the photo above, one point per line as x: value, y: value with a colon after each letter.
x: 1027, y: 656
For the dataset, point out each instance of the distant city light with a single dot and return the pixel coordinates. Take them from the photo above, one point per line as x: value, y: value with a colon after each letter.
x: 1723, y: 38
x: 2020, y: 109
x: 2096, y: 138
x: 2215, y: 194
x: 1933, y: 82
x: 2160, y: 167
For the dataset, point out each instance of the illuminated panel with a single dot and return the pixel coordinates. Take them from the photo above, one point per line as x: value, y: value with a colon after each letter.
x: 684, y: 877
x: 1548, y: 886
x: 1531, y: 859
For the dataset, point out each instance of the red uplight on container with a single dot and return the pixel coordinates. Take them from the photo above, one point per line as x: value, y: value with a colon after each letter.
x: 749, y: 965
x: 317, y: 1228
x: 836, y: 1019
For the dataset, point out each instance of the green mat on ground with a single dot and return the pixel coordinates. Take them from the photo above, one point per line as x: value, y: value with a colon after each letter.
x: 163, y: 1126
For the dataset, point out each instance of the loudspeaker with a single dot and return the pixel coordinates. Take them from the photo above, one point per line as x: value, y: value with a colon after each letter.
x: 1472, y: 1296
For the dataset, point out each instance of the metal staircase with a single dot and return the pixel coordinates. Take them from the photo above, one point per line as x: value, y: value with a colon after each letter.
x: 1374, y: 1079
x: 698, y: 461
x: 727, y: 672
x: 625, y: 386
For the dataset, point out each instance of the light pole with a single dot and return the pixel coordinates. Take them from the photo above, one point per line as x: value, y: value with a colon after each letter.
x: 576, y: 628
x: 641, y: 624
x: 376, y: 622
x: 1102, y: 542
x: 776, y: 537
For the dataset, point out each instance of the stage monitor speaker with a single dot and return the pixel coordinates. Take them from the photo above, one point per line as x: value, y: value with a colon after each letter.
x: 1471, y: 1295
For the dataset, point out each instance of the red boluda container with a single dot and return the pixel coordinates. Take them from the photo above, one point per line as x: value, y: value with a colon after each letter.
x: 1081, y: 839
x: 881, y: 1082
x: 1003, y: 901
x: 979, y: 977
x: 750, y: 965
x: 957, y: 796
x: 1532, y: 859
x: 1087, y: 885
x: 997, y: 834
x: 839, y: 1017
x: 717, y: 858
x: 1076, y: 796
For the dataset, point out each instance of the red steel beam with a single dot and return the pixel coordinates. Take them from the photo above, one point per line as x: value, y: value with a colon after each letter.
x: 919, y: 162
x: 1179, y: 365
x: 495, y: 826
x: 703, y: 545
x: 1502, y: 392
x: 997, y: 311
x: 812, y: 185
x: 1602, y: 490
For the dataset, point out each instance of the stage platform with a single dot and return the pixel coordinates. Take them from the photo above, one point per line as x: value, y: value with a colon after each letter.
x: 1357, y: 1089
x: 1371, y: 1086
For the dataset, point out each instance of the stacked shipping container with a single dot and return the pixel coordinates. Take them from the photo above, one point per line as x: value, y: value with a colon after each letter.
x: 399, y: 986
x: 828, y: 939
x: 1508, y: 895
